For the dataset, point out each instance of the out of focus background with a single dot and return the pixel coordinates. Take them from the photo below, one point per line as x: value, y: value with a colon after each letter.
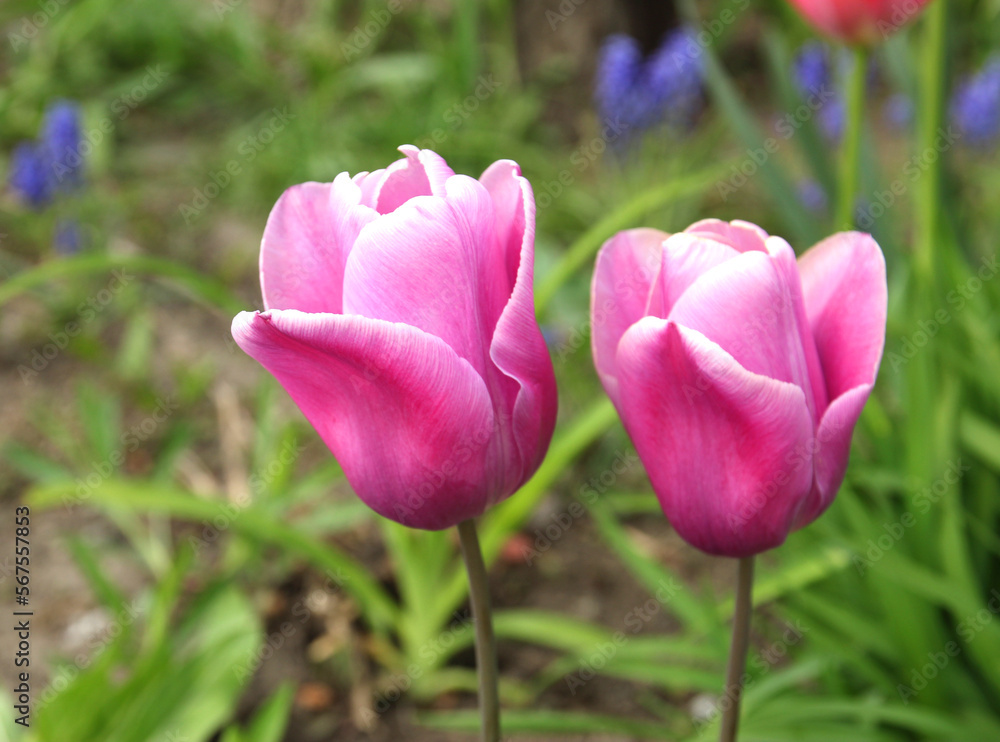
x: 199, y: 568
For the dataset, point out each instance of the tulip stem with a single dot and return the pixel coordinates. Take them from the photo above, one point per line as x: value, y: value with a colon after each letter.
x: 486, y: 650
x: 852, y: 139
x: 738, y: 650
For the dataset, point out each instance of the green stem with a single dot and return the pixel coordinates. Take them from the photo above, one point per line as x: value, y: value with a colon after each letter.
x: 852, y: 139
x: 738, y: 650
x: 931, y: 107
x: 486, y: 651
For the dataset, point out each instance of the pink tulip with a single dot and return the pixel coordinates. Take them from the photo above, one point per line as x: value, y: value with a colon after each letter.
x: 858, y: 21
x: 738, y: 372
x: 400, y: 318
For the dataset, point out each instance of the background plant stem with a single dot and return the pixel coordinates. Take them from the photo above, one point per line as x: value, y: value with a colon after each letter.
x: 931, y: 108
x: 738, y: 649
x: 852, y: 139
x: 486, y: 653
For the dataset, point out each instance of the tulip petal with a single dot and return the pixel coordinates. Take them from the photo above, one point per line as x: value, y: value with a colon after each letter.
x: 627, y: 266
x: 747, y: 306
x: 740, y: 235
x: 432, y: 263
x: 518, y: 348
x: 724, y: 448
x: 369, y: 184
x: 421, y: 173
x: 308, y: 236
x: 784, y: 260
x: 514, y: 206
x: 409, y: 421
x: 686, y: 257
x: 846, y: 300
x: 833, y: 446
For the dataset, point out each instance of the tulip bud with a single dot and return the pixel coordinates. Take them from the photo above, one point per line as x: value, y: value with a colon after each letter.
x: 858, y: 21
x: 739, y: 372
x: 400, y: 319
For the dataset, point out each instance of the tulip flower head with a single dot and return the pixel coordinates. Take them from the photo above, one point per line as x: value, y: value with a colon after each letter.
x: 399, y: 316
x: 739, y: 372
x: 858, y: 21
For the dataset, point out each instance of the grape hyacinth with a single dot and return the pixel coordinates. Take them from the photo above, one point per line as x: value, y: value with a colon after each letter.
x: 54, y: 163
x: 898, y: 112
x: 811, y: 68
x: 812, y: 75
x: 812, y: 196
x: 67, y: 240
x: 975, y: 107
x: 29, y: 175
x: 638, y: 93
x: 61, y: 140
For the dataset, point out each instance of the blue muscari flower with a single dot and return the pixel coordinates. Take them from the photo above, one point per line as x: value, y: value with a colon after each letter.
x: 898, y: 111
x: 67, y: 237
x: 29, y: 174
x: 975, y: 107
x: 618, y: 65
x: 811, y: 69
x: 675, y: 73
x: 811, y: 73
x: 812, y: 195
x: 60, y: 138
x: 832, y: 119
x: 641, y: 93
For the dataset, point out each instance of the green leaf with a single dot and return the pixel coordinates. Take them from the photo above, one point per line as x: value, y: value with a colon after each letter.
x: 551, y: 722
x: 271, y: 720
x: 195, y: 284
x: 375, y: 603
